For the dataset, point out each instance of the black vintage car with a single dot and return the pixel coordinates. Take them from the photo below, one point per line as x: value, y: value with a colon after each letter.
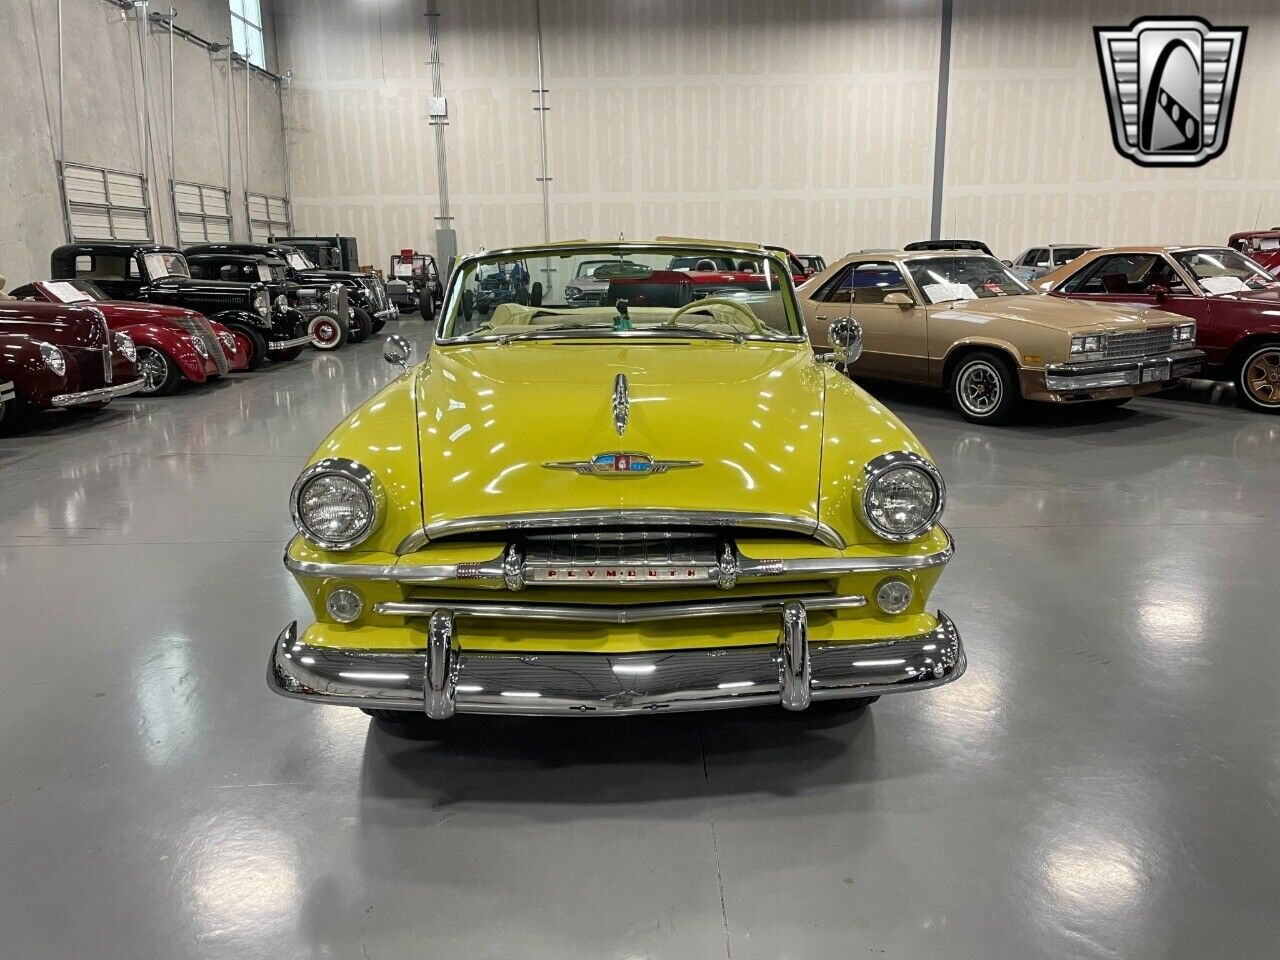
x: 332, y: 252
x: 415, y: 285
x: 370, y: 308
x: 151, y: 273
x: 328, y: 322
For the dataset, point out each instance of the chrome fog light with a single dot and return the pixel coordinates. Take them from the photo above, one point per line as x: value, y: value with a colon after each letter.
x: 893, y: 595
x: 344, y: 604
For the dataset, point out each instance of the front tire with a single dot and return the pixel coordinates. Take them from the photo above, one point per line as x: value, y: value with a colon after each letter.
x: 327, y: 330
x: 361, y: 326
x: 1258, y: 378
x: 984, y: 388
x: 13, y: 416
x: 160, y: 375
x: 281, y: 356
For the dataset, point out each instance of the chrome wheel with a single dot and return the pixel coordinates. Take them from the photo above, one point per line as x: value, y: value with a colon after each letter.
x: 1261, y: 376
x: 153, y: 368
x: 979, y: 388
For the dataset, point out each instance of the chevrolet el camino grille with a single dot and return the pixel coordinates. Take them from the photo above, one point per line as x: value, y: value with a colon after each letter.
x: 1141, y: 343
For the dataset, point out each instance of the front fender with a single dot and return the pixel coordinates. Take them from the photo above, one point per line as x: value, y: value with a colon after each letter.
x: 856, y: 428
x: 21, y: 363
x: 243, y: 318
x: 174, y: 344
x: 939, y: 368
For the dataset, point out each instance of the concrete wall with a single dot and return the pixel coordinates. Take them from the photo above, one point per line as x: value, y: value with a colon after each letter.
x: 102, y: 115
x: 808, y: 122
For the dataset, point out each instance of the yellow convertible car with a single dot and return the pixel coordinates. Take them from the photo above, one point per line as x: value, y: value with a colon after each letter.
x: 650, y: 500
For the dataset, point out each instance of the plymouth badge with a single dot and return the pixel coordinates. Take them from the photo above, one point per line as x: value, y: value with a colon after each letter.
x: 621, y: 464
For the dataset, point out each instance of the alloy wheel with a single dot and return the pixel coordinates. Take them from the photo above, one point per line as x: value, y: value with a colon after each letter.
x: 1262, y: 376
x: 979, y: 388
x: 152, y: 367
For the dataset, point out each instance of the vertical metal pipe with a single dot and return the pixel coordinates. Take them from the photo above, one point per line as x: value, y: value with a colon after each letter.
x: 248, y: 147
x: 141, y: 13
x: 284, y: 139
x: 173, y: 150
x: 230, y: 104
x: 442, y: 176
x: 545, y: 178
x: 62, y: 136
x: 940, y: 124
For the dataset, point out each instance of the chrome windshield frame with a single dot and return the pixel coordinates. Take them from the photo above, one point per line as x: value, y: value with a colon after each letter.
x: 454, y: 292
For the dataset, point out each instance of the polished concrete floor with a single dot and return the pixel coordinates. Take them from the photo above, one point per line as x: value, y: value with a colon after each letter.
x: 1104, y: 782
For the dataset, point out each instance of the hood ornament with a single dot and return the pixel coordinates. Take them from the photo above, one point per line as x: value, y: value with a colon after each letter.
x: 621, y: 464
x: 621, y: 404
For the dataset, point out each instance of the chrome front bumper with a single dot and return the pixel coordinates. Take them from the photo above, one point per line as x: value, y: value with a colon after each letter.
x: 277, y: 345
x: 1103, y: 374
x: 445, y: 679
x: 390, y: 313
x: 100, y: 395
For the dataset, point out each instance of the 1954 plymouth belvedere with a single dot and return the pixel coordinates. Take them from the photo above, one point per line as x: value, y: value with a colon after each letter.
x: 660, y: 501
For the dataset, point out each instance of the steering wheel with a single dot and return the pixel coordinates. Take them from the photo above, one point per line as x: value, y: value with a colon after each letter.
x: 749, y: 318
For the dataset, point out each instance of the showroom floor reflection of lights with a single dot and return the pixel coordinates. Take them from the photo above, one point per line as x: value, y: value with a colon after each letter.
x: 1102, y: 783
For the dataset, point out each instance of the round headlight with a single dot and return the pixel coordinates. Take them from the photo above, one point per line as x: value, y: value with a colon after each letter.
x: 125, y: 345
x: 337, y: 503
x: 903, y: 496
x: 53, y: 358
x: 282, y: 302
x: 262, y: 304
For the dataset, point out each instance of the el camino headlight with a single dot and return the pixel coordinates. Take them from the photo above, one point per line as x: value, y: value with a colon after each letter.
x: 53, y: 358
x: 1089, y: 347
x: 1184, y: 333
x: 903, y: 496
x: 337, y: 503
x: 125, y: 346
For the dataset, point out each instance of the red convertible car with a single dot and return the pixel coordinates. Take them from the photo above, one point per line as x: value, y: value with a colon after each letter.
x: 173, y: 344
x: 1234, y: 301
x: 61, y: 356
x: 1261, y: 246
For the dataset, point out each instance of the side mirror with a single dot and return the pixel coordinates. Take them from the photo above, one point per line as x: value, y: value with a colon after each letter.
x: 398, y: 351
x: 845, y: 337
x: 1157, y: 290
x: 1007, y: 263
x: 899, y: 299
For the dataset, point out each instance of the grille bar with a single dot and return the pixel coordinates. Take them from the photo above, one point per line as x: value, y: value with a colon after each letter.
x: 198, y: 326
x: 1140, y: 343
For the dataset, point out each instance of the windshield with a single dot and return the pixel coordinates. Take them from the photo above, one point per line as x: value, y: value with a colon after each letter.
x: 1067, y: 254
x: 1224, y: 271
x: 632, y: 289
x: 942, y: 279
x: 298, y: 261
x: 161, y: 265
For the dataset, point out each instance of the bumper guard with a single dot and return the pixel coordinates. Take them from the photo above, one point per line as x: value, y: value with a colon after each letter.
x: 277, y: 345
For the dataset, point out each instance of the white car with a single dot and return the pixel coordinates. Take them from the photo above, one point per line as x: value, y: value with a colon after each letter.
x: 1035, y: 262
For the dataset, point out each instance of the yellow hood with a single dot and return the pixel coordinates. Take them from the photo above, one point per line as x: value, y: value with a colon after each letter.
x: 491, y: 415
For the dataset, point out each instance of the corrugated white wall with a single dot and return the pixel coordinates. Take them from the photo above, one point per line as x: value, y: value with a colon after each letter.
x: 809, y: 123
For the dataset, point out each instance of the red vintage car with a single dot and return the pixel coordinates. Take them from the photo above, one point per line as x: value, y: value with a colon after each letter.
x: 1261, y: 246
x: 1234, y: 301
x: 173, y: 344
x: 61, y: 356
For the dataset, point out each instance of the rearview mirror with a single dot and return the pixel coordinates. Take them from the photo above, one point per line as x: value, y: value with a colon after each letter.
x: 899, y: 299
x: 845, y: 337
x: 397, y: 351
x: 1157, y: 290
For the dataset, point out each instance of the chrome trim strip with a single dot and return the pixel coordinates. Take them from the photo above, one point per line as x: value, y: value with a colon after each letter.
x: 622, y: 518
x: 97, y: 396
x: 621, y: 404
x: 746, y: 568
x: 7, y: 392
x: 612, y: 613
x: 1099, y: 374
x: 599, y: 684
x: 278, y: 345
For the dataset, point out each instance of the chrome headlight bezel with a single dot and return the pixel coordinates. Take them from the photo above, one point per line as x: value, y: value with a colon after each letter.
x: 125, y: 345
x: 1184, y: 333
x: 262, y: 304
x: 53, y: 358
x: 877, y: 468
x: 1087, y: 346
x: 200, y: 347
x: 349, y: 470
x: 228, y: 341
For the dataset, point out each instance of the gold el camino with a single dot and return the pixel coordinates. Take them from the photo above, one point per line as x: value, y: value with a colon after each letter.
x: 966, y: 323
x: 650, y: 499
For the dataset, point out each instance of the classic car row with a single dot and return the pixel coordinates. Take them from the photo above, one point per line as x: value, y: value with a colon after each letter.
x: 176, y: 317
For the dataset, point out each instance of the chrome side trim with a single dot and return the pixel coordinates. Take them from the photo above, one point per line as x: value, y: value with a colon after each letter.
x: 7, y: 392
x: 612, y: 613
x: 97, y: 396
x: 621, y: 404
x: 622, y: 518
x: 746, y: 568
x: 599, y: 684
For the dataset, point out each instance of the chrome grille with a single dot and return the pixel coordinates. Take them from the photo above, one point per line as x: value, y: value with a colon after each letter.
x: 1140, y: 343
x: 198, y: 326
x: 660, y: 558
